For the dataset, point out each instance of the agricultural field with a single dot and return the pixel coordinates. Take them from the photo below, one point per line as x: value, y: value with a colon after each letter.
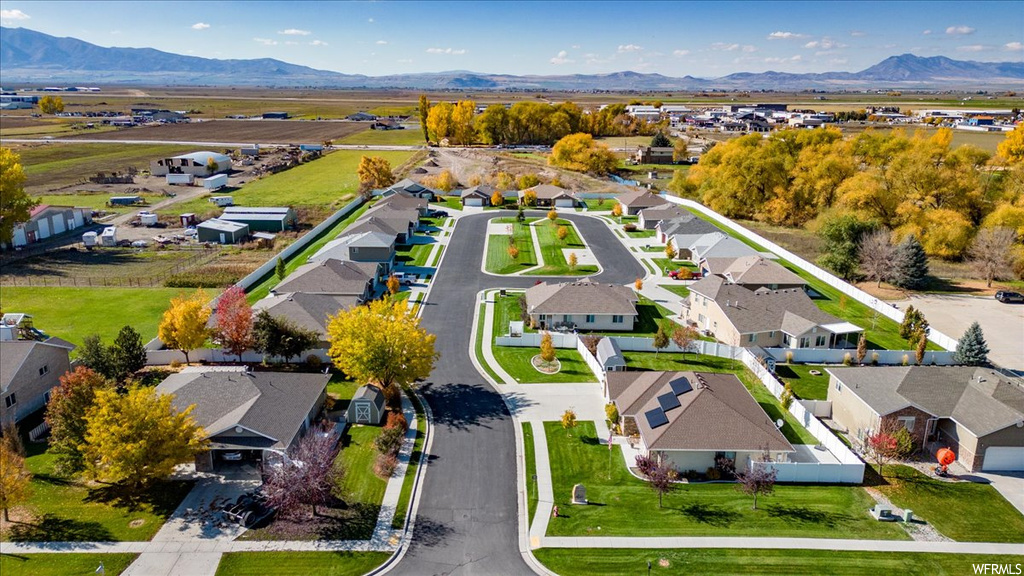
x: 240, y: 131
x: 52, y: 166
x: 411, y: 135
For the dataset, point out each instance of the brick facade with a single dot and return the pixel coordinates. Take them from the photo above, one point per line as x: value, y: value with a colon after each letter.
x: 917, y: 431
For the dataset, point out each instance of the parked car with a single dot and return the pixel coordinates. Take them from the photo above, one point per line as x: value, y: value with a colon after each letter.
x: 405, y: 278
x: 1007, y: 297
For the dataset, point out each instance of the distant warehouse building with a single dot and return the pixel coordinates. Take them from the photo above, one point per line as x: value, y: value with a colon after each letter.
x: 276, y: 219
x: 46, y: 220
x: 275, y: 115
x: 221, y: 231
x: 203, y: 163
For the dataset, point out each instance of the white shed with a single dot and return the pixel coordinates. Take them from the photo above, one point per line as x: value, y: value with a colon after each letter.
x: 109, y: 236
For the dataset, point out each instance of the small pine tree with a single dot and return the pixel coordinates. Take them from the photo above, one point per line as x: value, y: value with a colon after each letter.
x: 279, y: 269
x: 670, y: 251
x: 910, y: 264
x: 971, y: 349
x: 520, y: 217
x: 660, y: 141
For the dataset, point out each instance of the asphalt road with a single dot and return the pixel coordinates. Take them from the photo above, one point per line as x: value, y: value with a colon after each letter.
x: 466, y: 522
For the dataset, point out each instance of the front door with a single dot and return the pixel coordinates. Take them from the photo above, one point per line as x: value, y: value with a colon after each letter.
x: 362, y: 413
x: 223, y: 239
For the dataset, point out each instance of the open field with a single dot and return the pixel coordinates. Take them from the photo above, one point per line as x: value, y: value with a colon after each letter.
x: 63, y: 564
x: 52, y: 166
x: 108, y: 263
x: 622, y: 505
x: 257, y: 131
x: 727, y: 562
x: 300, y: 563
x: 411, y: 135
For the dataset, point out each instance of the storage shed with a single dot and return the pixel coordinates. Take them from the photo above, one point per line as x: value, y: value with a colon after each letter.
x: 221, y: 231
x: 366, y: 407
x: 274, y: 219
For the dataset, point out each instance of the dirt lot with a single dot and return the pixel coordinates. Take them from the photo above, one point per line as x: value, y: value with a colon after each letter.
x: 257, y: 131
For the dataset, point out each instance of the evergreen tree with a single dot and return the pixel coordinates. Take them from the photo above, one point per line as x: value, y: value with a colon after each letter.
x: 910, y: 264
x: 660, y: 141
x: 127, y: 355
x: 279, y: 269
x: 971, y: 349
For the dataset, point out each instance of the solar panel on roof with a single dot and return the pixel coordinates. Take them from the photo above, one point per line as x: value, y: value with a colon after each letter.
x: 680, y: 385
x: 656, y: 418
x: 668, y: 402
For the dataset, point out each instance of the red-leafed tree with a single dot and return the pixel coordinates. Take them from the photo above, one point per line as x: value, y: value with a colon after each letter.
x: 758, y: 480
x: 234, y: 322
x: 883, y: 443
x: 307, y: 474
x: 65, y: 414
x: 659, y: 475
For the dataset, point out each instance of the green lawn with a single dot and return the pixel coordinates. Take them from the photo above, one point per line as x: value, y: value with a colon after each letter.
x: 63, y: 564
x: 360, y: 484
x: 963, y: 511
x: 413, y: 254
x: 622, y: 505
x: 640, y: 233
x: 596, y: 205
x: 479, y: 346
x: 725, y: 561
x: 70, y: 511
x: 404, y: 137
x: 516, y: 361
x: 300, y: 563
x: 498, y: 260
x: 551, y: 249
x: 414, y: 461
x: 531, y: 470
x: 677, y: 289
x: 674, y: 361
x: 805, y: 385
x: 449, y: 202
x: 666, y: 264
x: 74, y: 313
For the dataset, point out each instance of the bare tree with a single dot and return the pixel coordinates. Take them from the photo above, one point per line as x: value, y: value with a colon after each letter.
x: 882, y: 444
x: 307, y: 474
x: 659, y: 475
x: 990, y: 254
x: 876, y: 255
x: 758, y: 480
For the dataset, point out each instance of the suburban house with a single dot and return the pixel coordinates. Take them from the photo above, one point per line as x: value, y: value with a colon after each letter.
x: 741, y: 316
x: 221, y: 231
x: 203, y: 163
x: 246, y: 414
x: 694, y: 420
x: 338, y: 277
x: 683, y: 231
x: 393, y: 224
x: 46, y: 220
x: 973, y: 411
x: 715, y: 245
x: 753, y: 272
x: 366, y: 406
x: 610, y: 356
x: 649, y: 218
x: 583, y: 304
x: 361, y: 247
x: 550, y: 195
x: 635, y: 201
x: 407, y: 187
x: 307, y: 311
x: 654, y: 155
x: 477, y: 195
x: 402, y: 202
x: 29, y: 369
x: 269, y: 219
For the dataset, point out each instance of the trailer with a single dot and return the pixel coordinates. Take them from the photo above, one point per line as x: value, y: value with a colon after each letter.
x: 222, y: 201
x: 215, y: 182
x: 186, y: 179
x: 109, y: 236
x: 125, y: 200
x: 89, y: 239
x: 148, y: 218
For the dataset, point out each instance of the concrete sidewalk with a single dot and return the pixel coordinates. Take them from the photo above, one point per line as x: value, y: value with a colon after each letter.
x: 773, y: 543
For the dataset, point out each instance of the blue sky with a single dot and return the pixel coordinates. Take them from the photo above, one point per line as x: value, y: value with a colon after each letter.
x: 704, y: 39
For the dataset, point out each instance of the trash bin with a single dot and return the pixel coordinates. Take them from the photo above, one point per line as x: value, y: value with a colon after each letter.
x: 908, y: 515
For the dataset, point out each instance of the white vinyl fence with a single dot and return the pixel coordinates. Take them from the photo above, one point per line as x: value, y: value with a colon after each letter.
x: 593, y: 363
x: 626, y: 344
x: 837, y: 356
x: 857, y: 294
x: 216, y: 355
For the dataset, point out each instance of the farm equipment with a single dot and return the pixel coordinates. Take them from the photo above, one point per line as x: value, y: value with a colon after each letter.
x: 945, y: 456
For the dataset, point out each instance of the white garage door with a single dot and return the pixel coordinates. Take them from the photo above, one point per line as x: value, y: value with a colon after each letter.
x: 564, y: 203
x: 1003, y: 458
x: 474, y: 201
x: 58, y: 225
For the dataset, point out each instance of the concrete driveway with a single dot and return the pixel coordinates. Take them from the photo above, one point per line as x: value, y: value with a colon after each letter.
x: 1003, y: 324
x: 198, y: 516
x: 1009, y: 484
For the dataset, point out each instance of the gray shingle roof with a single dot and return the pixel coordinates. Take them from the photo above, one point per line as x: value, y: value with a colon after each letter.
x: 308, y: 311
x: 360, y: 239
x: 688, y: 224
x: 666, y: 211
x: 976, y: 398
x: 329, y: 276
x: 389, y: 226
x: 481, y: 191
x: 581, y: 297
x: 640, y: 199
x: 608, y: 353
x: 789, y: 310
x: 402, y: 202
x: 549, y: 192
x: 719, y: 414
x: 755, y: 269
x: 273, y: 404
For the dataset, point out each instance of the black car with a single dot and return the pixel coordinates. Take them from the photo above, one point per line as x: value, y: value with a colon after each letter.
x: 1007, y: 297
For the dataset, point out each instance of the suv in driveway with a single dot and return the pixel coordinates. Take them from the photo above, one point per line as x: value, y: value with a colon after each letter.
x: 1009, y: 297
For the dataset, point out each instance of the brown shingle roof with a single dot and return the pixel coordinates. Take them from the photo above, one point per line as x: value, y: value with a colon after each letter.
x: 308, y: 311
x: 718, y: 413
x: 790, y: 310
x: 756, y: 270
x: 640, y: 199
x: 549, y: 192
x: 329, y: 276
x: 581, y: 297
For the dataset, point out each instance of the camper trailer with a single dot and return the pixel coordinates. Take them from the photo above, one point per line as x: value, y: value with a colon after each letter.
x: 109, y: 236
x: 222, y: 201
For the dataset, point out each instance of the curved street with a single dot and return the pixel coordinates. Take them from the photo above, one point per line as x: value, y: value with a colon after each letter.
x: 466, y: 522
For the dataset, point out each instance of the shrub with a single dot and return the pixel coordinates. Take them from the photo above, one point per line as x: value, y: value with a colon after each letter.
x: 175, y: 364
x: 629, y: 227
x: 644, y: 465
x: 314, y: 361
x: 789, y: 356
x: 330, y: 403
x: 385, y: 465
x: 611, y: 411
x: 691, y: 475
x: 847, y: 359
x: 906, y: 359
x: 712, y: 474
x: 397, y: 420
x: 874, y: 358
x: 389, y: 441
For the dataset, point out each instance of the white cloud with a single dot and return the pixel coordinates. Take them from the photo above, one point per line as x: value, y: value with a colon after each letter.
x: 838, y: 61
x: 265, y: 41
x: 779, y: 35
x: 200, y: 26
x: 290, y: 43
x: 562, y: 58
x: 959, y: 30
x: 404, y: 60
x: 115, y: 32
x: 13, y: 15
x: 629, y: 48
x: 452, y: 51
x: 318, y: 43
x: 382, y: 42
x: 680, y: 53
x: 777, y: 60
x: 748, y: 48
x: 858, y: 33
x: 926, y: 33
x: 973, y: 48
x: 575, y: 46
x: 825, y: 43
x: 1013, y: 47
x: 294, y: 32
x: 726, y: 47
x: 370, y: 20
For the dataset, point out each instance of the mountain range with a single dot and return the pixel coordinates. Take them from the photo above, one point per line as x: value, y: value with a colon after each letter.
x: 27, y: 56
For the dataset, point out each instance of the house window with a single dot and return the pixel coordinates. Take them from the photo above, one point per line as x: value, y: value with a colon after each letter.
x: 566, y: 318
x: 44, y: 370
x: 590, y: 318
x: 771, y: 334
x: 617, y: 319
x: 820, y: 340
x: 907, y: 421
x: 701, y: 318
x: 805, y: 342
x: 10, y: 400
x: 752, y: 338
x: 839, y: 386
x: 542, y: 317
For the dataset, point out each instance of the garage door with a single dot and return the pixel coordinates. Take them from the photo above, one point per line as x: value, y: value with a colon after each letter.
x: 564, y: 202
x: 1003, y: 458
x: 58, y: 225
x: 474, y: 201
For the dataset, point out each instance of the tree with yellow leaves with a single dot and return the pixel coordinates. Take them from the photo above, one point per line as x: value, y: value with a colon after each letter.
x: 381, y: 344
x: 573, y: 261
x: 1011, y: 149
x: 581, y: 153
x: 670, y: 250
x: 562, y: 233
x: 497, y: 199
x: 51, y: 104
x: 393, y: 285
x: 462, y: 122
x: 443, y: 181
x: 439, y: 121
x: 547, y: 348
x: 14, y: 479
x: 638, y: 284
x: 374, y: 173
x: 552, y: 215
x: 527, y: 181
x: 617, y: 210
x: 138, y: 436
x: 569, y: 421
x: 529, y: 198
x: 15, y: 205
x: 183, y: 326
x: 513, y: 252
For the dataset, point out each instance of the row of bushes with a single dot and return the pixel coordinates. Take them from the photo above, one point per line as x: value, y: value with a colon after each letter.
x: 389, y: 443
